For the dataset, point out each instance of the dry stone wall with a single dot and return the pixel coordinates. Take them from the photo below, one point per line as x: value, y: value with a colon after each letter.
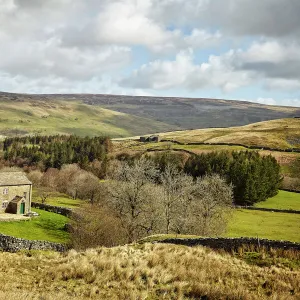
x: 254, y: 147
x: 289, y: 211
x: 230, y: 244
x: 13, y: 244
x: 55, y: 209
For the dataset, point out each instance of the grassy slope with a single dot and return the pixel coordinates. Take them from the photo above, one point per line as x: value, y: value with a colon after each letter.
x: 142, y: 272
x: 58, y: 117
x: 57, y: 199
x: 269, y: 225
x: 284, y: 200
x: 284, y: 133
x: 47, y: 227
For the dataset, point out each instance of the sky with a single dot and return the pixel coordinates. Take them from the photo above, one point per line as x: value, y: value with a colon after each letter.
x: 229, y: 49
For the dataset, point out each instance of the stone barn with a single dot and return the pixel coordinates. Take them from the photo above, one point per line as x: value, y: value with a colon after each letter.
x: 149, y: 139
x: 15, y: 193
x: 154, y: 138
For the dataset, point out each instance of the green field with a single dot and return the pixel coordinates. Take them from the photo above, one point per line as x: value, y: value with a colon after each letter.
x: 250, y: 223
x: 284, y: 200
x: 269, y: 225
x: 57, y: 199
x: 47, y: 227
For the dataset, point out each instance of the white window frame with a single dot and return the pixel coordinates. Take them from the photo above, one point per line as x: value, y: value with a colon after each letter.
x: 4, y: 204
x: 5, y: 191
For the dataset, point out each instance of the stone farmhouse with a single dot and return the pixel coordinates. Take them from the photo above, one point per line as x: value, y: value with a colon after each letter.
x: 15, y: 193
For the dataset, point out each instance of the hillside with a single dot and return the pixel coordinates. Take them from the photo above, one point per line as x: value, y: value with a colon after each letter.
x: 71, y: 117
x: 126, y: 115
x: 148, y: 271
x: 283, y: 134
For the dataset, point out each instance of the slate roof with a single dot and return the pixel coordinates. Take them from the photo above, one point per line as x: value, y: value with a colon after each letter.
x: 17, y: 199
x: 13, y: 178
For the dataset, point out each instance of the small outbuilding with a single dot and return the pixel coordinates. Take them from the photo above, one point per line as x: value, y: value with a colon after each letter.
x: 15, y: 193
x: 150, y: 139
x: 16, y: 206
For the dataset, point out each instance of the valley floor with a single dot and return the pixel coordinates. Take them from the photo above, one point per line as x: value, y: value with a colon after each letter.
x: 248, y: 223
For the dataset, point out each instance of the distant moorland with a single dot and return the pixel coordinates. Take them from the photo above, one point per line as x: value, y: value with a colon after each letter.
x: 123, y: 116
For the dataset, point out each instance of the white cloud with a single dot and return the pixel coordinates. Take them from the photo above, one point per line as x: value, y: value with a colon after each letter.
x: 271, y: 101
x: 271, y: 51
x: 267, y: 101
x: 183, y: 73
x: 76, y: 42
x: 130, y: 22
x: 49, y: 58
x: 274, y: 64
x: 54, y: 85
x: 267, y: 18
x: 7, y: 7
x: 282, y: 84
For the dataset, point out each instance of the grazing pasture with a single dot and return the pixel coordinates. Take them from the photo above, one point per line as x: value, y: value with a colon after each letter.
x: 46, y: 227
x: 283, y: 200
x: 261, y: 224
x: 57, y: 199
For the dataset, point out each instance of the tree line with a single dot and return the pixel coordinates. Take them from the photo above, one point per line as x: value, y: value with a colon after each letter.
x: 255, y: 178
x: 55, y: 151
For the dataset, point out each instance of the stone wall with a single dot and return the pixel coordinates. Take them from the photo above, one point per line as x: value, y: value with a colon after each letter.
x: 13, y: 244
x: 229, y: 244
x: 292, y: 191
x: 254, y: 147
x: 55, y: 209
x: 289, y: 211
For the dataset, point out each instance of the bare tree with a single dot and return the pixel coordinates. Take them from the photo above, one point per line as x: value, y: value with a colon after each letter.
x: 49, y: 178
x: 171, y: 202
x: 44, y: 193
x: 177, y: 191
x: 133, y: 196
x: 66, y: 177
x: 77, y: 182
x: 87, y: 186
x: 35, y: 177
x: 95, y: 225
x: 209, y: 210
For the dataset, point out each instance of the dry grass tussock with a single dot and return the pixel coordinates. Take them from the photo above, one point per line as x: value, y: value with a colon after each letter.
x: 147, y: 271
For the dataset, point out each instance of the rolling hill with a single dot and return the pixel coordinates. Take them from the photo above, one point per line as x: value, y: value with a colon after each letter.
x: 55, y: 116
x: 123, y: 116
x: 281, y: 134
